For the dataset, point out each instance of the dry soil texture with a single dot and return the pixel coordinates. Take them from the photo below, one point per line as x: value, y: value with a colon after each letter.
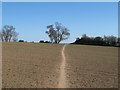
x: 36, y: 65
x: 31, y: 65
x: 91, y: 66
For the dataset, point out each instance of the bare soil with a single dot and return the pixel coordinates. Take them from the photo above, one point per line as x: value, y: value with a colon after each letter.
x: 30, y: 65
x: 91, y: 66
x: 37, y: 65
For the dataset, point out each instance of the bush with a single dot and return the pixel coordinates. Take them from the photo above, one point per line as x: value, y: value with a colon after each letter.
x: 21, y: 40
x: 47, y: 42
x: 42, y: 41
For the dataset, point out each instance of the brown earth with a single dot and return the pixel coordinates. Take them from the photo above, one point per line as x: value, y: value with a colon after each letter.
x: 91, y: 66
x: 36, y: 65
x: 30, y: 65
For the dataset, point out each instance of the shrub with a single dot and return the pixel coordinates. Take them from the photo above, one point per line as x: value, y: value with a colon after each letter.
x: 42, y: 41
x: 47, y: 42
x: 21, y: 40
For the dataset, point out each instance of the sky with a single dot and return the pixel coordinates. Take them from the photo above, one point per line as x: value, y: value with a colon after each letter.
x: 0, y: 14
x: 31, y: 18
x: 60, y: 0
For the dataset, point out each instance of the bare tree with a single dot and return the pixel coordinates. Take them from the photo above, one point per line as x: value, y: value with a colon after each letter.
x: 57, y: 32
x: 51, y: 33
x: 8, y: 34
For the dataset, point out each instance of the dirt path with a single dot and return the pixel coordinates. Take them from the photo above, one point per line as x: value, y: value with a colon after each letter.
x: 62, y: 79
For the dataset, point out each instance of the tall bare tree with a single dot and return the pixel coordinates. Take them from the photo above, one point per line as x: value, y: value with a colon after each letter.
x: 57, y: 32
x: 8, y: 34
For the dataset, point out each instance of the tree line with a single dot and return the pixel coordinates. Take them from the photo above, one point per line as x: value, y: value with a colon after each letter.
x: 101, y: 41
x: 56, y: 32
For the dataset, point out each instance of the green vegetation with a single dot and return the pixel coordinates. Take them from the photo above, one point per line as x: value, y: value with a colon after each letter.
x: 102, y: 41
x: 21, y: 40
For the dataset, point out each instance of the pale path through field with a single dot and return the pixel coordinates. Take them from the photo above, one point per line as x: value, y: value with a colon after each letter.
x: 62, y: 79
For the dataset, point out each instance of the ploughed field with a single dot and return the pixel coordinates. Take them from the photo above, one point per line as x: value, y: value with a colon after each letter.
x: 30, y: 65
x: 92, y: 66
x: 37, y: 65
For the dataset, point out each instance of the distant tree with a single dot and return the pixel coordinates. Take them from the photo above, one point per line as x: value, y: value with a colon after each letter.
x: 98, y: 38
x: 21, y: 41
x: 98, y: 41
x: 118, y: 41
x: 84, y: 36
x: 86, y: 40
x: 41, y: 41
x: 77, y: 38
x: 47, y: 42
x: 110, y: 40
x: 0, y: 36
x: 57, y: 32
x: 105, y: 41
x: 8, y: 34
x: 51, y: 33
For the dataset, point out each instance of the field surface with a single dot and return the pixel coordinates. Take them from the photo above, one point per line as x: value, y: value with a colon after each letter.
x: 92, y: 66
x: 37, y: 65
x: 30, y: 65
